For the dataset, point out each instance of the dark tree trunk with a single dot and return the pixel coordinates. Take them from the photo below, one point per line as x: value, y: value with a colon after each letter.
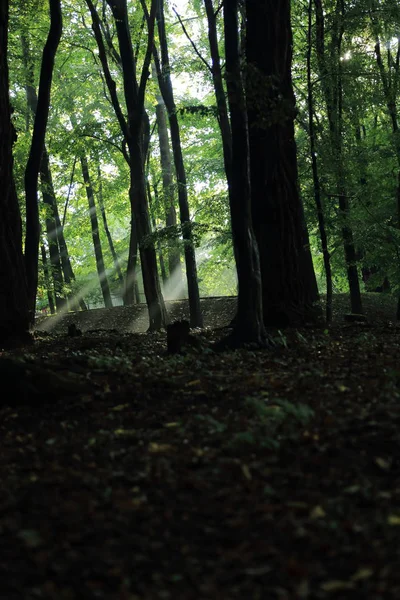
x: 132, y: 129
x: 51, y: 230
x: 248, y: 325
x: 216, y: 72
x: 46, y: 183
x: 101, y: 271
x: 288, y: 281
x: 14, y: 302
x: 315, y: 174
x: 35, y: 154
x: 165, y: 84
x: 130, y: 292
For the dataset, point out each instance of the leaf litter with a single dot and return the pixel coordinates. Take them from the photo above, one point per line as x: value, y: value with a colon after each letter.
x: 128, y: 473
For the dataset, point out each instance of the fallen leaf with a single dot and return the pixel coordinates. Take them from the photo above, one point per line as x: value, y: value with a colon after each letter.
x: 246, y: 472
x: 362, y: 573
x: 335, y: 585
x: 393, y: 520
x: 382, y: 463
x: 155, y: 448
x: 317, y: 513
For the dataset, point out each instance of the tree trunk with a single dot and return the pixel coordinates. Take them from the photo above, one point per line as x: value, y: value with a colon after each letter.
x: 220, y: 97
x: 47, y: 280
x: 35, y: 154
x: 51, y: 229
x: 174, y: 260
x: 114, y: 255
x: 160, y: 254
x: 132, y: 128
x: 330, y: 74
x: 288, y: 281
x: 315, y: 174
x: 390, y: 84
x: 14, y: 302
x: 105, y: 289
x: 46, y: 182
x: 248, y: 325
x: 130, y: 291
x: 165, y: 84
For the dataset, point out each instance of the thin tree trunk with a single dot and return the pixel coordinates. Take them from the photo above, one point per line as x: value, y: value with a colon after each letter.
x: 316, y: 180
x: 101, y: 271
x: 47, y: 280
x: 165, y: 84
x: 114, y: 255
x: 391, y: 83
x: 161, y: 260
x: 330, y: 74
x: 14, y: 300
x: 220, y: 96
x: 174, y: 260
x: 51, y: 229
x: 61, y: 258
x: 35, y: 154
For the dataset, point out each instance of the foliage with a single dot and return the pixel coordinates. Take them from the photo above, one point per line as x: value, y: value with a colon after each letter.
x: 370, y: 152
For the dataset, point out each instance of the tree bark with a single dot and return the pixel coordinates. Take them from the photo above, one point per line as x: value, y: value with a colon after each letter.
x: 161, y: 261
x: 288, y: 281
x: 35, y: 154
x: 315, y: 174
x: 47, y: 280
x: 14, y: 302
x: 114, y: 255
x: 220, y: 97
x: 174, y: 260
x: 101, y: 271
x: 165, y: 84
x: 51, y: 230
x: 132, y: 129
x: 248, y: 325
x: 47, y: 187
x: 390, y: 83
x: 331, y: 81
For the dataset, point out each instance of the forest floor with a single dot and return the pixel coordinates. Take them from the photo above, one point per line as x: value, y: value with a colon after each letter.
x: 131, y: 474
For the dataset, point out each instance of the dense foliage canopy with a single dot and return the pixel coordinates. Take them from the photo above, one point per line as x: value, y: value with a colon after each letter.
x: 346, y: 79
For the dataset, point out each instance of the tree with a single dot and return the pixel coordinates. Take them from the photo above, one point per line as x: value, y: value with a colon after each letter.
x: 390, y: 80
x: 35, y: 155
x: 94, y: 225
x: 248, y: 326
x: 14, y: 305
x: 330, y: 70
x: 174, y: 259
x: 315, y: 172
x: 164, y: 81
x: 288, y: 281
x: 133, y: 132
x: 61, y: 268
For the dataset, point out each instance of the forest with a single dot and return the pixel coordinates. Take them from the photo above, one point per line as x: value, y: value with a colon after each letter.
x: 199, y: 299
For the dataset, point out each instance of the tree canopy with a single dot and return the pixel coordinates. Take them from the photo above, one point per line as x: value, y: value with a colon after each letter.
x: 116, y: 218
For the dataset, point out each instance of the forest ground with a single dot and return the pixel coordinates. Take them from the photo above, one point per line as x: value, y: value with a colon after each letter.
x: 132, y: 474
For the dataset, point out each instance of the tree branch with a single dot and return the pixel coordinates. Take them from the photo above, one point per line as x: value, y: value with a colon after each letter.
x: 203, y: 60
x: 112, y: 88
